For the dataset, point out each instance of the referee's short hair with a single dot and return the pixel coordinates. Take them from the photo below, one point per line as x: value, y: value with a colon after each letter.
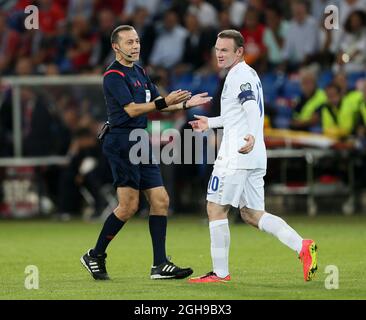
x: 232, y: 34
x: 115, y: 32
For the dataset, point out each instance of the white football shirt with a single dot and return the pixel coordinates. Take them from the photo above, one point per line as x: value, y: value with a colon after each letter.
x: 242, y: 113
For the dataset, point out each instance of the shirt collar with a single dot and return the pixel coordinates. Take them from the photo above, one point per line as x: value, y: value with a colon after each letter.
x: 241, y: 63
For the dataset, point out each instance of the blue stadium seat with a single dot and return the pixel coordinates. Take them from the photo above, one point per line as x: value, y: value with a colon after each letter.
x: 281, y: 123
x: 325, y: 78
x: 352, y: 79
x: 270, y: 87
x: 283, y: 115
x: 184, y: 81
x: 208, y: 83
x: 291, y: 88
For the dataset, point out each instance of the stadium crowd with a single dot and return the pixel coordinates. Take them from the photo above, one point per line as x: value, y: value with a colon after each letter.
x: 314, y: 78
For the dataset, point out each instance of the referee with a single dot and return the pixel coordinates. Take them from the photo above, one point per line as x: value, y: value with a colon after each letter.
x: 129, y: 96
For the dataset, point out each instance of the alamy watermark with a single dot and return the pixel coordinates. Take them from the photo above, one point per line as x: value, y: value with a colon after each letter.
x: 332, y: 280
x: 32, y: 19
x: 32, y: 277
x: 331, y: 21
x: 172, y: 146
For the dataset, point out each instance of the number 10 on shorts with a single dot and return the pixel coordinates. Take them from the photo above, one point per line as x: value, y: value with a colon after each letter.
x: 213, y: 184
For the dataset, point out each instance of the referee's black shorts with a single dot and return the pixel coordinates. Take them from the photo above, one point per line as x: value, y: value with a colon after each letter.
x: 116, y: 147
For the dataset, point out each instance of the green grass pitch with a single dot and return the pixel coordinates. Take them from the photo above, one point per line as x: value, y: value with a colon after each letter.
x: 261, y: 267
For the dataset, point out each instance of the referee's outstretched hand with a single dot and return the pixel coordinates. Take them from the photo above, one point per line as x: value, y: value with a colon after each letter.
x: 177, y: 96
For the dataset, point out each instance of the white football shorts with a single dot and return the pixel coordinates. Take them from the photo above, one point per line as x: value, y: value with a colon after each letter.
x: 237, y: 187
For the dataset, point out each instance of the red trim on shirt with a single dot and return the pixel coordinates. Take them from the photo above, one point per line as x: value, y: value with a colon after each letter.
x: 114, y: 71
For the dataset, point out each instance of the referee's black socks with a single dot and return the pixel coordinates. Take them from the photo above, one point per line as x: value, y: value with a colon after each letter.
x: 110, y: 229
x: 157, y: 225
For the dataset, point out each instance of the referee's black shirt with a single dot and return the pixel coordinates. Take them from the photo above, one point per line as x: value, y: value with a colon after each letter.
x: 123, y: 85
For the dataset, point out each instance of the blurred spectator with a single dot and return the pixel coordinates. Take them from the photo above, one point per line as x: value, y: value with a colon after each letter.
x: 24, y: 67
x: 329, y: 112
x: 139, y: 20
x: 284, y: 5
x: 340, y: 79
x: 350, y: 103
x: 301, y: 41
x: 40, y: 138
x: 160, y: 77
x: 49, y: 43
x: 259, y: 5
x: 151, y: 6
x: 146, y: 31
x: 224, y: 22
x: 70, y: 119
x: 117, y: 6
x: 80, y: 8
x: 198, y: 44
x: 274, y: 35
x: 41, y: 127
x: 253, y: 33
x: 80, y: 48
x: 304, y: 115
x: 361, y: 121
x: 102, y: 53
x: 6, y: 125
x: 7, y: 5
x: 360, y: 132
x: 31, y: 45
x: 346, y: 7
x: 351, y: 55
x: 169, y: 45
x: 236, y: 10
x: 206, y: 13
x: 87, y: 169
x: 51, y: 14
x: 9, y: 44
x: 51, y: 69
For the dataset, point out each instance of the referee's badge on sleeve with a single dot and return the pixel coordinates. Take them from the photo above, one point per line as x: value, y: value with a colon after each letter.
x: 148, y: 95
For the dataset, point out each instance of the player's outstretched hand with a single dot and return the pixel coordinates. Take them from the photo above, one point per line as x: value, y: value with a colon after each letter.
x: 177, y: 96
x: 249, y: 145
x: 199, y: 125
x: 198, y: 100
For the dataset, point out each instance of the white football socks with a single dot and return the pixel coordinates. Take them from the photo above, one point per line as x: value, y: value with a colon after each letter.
x: 220, y: 244
x: 281, y: 230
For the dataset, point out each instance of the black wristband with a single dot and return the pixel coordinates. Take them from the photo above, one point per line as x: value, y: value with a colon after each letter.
x: 160, y: 104
x: 185, y: 105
